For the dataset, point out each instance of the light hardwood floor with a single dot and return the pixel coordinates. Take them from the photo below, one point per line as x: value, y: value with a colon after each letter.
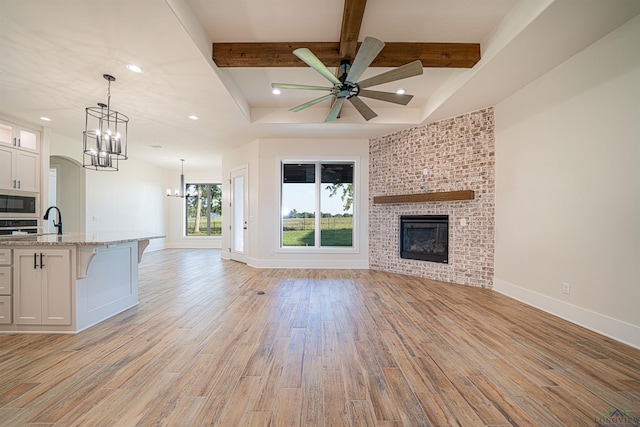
x: 319, y: 348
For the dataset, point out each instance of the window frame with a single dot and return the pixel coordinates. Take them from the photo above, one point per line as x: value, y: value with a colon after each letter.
x: 186, y: 210
x: 355, y: 247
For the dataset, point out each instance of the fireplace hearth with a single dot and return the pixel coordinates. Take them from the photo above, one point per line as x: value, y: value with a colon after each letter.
x: 425, y: 237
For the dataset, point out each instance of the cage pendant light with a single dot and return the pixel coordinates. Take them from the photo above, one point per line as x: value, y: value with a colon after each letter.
x: 105, y: 135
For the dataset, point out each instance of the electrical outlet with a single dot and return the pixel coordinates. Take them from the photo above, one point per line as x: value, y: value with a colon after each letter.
x: 566, y: 288
x: 425, y: 171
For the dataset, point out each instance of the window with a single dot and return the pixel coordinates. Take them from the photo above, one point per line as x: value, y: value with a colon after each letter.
x: 204, y: 209
x: 317, y: 204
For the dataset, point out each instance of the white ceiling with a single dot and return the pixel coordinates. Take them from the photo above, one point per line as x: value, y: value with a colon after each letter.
x: 53, y: 54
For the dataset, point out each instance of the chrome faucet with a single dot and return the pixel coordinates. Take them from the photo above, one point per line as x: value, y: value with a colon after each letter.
x: 59, y: 224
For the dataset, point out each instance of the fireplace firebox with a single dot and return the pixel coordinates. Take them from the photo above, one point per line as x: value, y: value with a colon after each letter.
x: 425, y: 237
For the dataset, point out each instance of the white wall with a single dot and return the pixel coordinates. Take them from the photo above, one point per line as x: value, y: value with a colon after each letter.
x: 70, y: 194
x: 132, y: 199
x: 568, y: 188
x: 263, y: 159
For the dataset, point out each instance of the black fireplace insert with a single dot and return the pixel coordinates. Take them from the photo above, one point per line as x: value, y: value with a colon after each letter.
x: 425, y: 237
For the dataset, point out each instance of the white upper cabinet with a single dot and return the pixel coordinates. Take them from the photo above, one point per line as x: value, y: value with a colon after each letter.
x: 6, y: 133
x: 19, y: 137
x: 29, y: 139
x: 19, y: 157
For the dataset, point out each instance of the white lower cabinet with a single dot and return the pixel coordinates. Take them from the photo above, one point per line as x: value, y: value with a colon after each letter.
x: 6, y: 281
x: 5, y: 309
x: 42, y: 287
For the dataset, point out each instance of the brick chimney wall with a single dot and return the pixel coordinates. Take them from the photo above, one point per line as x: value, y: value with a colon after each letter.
x: 459, y: 154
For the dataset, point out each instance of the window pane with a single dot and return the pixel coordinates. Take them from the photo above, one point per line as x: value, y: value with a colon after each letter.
x: 336, y: 204
x: 203, y: 209
x: 196, y: 203
x: 299, y: 173
x: 216, y: 210
x: 298, y: 205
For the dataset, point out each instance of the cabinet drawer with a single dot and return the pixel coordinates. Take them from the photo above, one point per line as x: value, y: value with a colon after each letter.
x: 5, y: 310
x: 5, y: 280
x: 5, y: 257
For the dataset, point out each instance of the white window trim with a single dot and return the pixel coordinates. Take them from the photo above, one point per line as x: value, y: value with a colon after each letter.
x: 356, y: 207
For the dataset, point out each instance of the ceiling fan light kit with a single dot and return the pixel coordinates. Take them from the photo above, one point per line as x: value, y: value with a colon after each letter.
x: 348, y: 86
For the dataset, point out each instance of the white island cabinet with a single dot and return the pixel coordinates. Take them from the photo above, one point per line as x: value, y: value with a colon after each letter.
x: 65, y: 284
x: 42, y: 286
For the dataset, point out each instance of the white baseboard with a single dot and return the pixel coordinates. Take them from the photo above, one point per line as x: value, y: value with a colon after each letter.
x: 604, y: 325
x: 309, y: 264
x: 206, y: 244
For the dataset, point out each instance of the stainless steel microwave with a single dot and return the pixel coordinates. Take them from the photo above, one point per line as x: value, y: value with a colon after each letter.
x: 19, y: 204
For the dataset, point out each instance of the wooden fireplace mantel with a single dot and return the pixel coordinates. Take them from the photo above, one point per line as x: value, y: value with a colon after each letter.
x: 442, y: 196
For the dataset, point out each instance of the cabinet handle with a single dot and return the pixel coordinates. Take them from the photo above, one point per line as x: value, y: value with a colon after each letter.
x: 18, y: 183
x: 18, y: 142
x: 35, y: 261
x: 15, y: 141
x: 15, y: 183
x: 41, y: 263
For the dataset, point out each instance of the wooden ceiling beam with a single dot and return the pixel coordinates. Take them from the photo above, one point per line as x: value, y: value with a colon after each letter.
x: 351, y: 23
x: 444, y: 55
x: 279, y: 54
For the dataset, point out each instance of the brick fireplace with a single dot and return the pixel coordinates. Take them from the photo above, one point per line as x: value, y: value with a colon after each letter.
x: 458, y: 154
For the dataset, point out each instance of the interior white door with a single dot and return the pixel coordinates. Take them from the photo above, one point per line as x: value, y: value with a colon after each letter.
x: 239, y: 217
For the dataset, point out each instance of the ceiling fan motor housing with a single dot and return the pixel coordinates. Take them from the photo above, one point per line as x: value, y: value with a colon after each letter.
x: 347, y: 90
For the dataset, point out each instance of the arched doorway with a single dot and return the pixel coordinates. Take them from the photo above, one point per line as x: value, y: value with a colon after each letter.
x: 67, y: 192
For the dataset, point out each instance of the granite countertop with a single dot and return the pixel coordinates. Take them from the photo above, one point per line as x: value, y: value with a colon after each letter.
x: 87, y: 239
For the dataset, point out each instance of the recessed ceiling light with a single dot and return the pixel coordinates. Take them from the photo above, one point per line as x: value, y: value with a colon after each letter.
x: 400, y: 91
x: 155, y: 146
x: 134, y: 68
x: 192, y: 117
x: 276, y: 91
x: 46, y: 119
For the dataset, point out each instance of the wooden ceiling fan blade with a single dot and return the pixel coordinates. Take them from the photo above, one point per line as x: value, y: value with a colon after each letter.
x: 386, y: 96
x: 408, y: 70
x: 335, y: 110
x: 312, y: 61
x: 311, y: 103
x: 363, y: 108
x: 368, y: 51
x: 303, y: 87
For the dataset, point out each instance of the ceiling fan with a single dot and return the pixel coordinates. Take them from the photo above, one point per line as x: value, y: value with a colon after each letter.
x: 347, y: 86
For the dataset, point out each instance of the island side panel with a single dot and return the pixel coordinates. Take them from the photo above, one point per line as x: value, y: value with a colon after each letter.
x: 110, y: 286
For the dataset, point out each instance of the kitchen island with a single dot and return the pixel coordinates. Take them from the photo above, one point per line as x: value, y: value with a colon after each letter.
x: 66, y: 283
